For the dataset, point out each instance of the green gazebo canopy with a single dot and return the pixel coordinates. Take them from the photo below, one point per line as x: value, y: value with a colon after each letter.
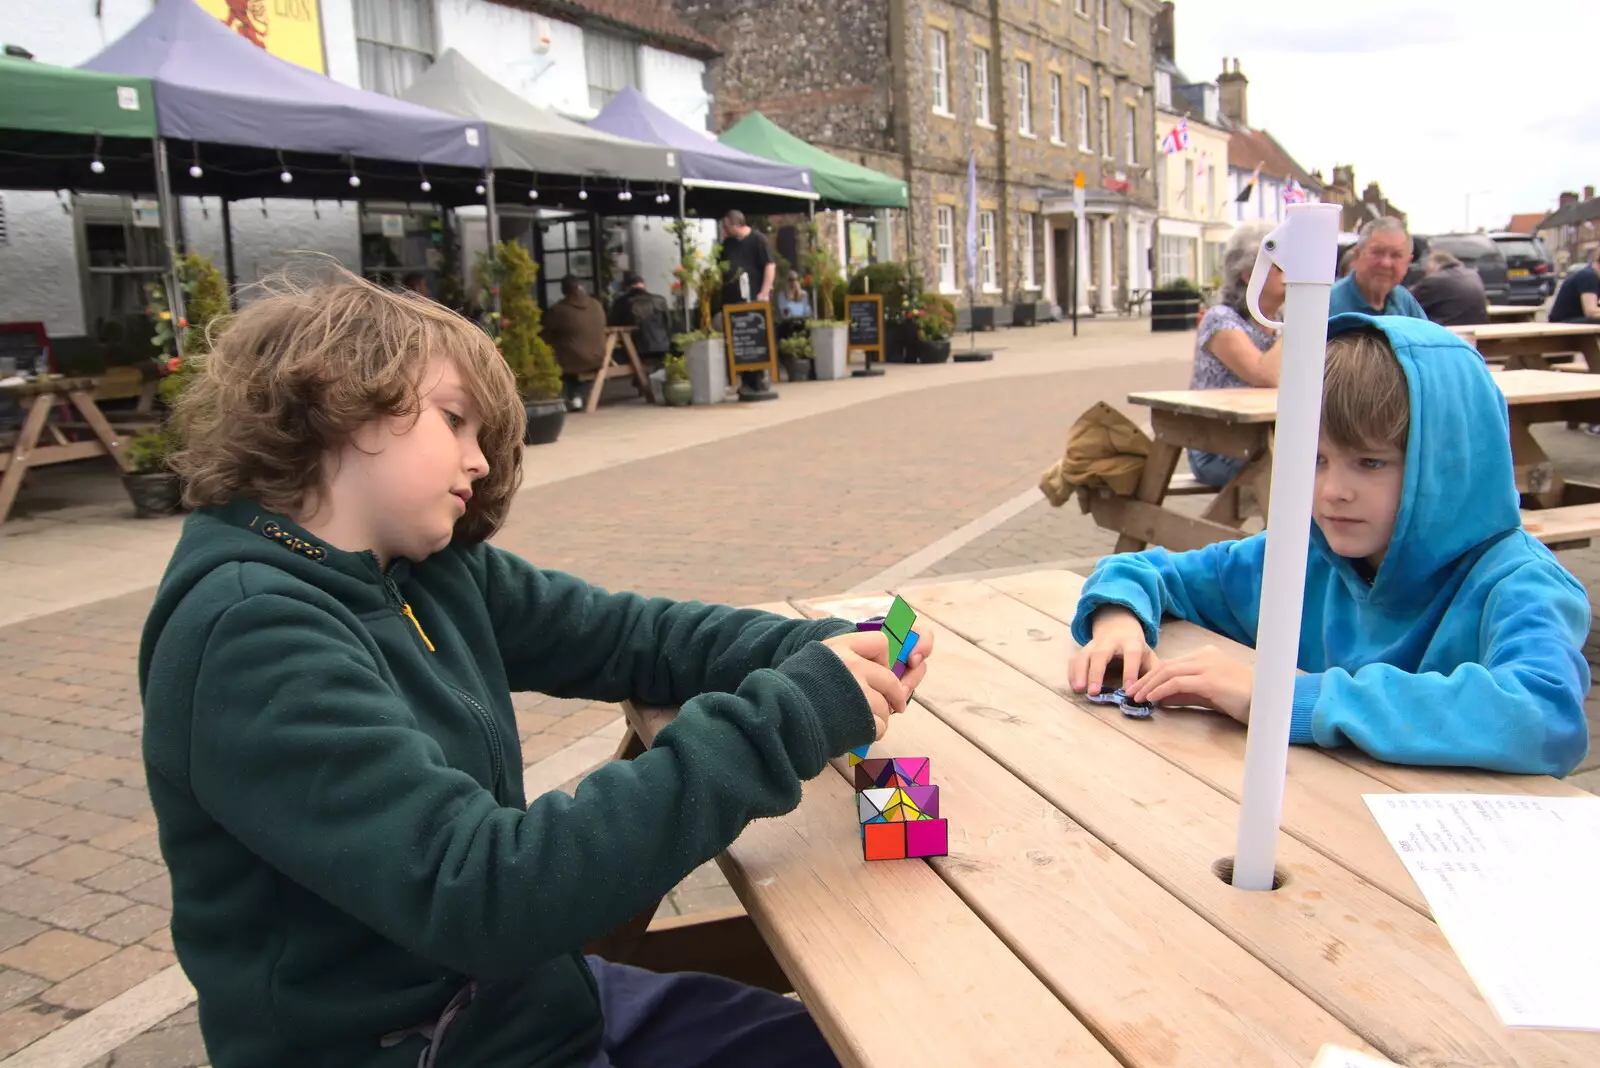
x: 55, y: 122
x: 839, y: 183
x: 59, y: 100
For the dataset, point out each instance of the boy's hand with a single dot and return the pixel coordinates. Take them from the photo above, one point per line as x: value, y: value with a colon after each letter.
x: 866, y: 654
x: 1206, y: 677
x: 1117, y: 635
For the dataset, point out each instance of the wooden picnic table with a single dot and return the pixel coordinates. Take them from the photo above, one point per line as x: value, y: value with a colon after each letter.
x: 1513, y: 313
x: 42, y: 399
x: 1531, y: 345
x: 1239, y: 423
x: 609, y: 368
x: 1079, y: 918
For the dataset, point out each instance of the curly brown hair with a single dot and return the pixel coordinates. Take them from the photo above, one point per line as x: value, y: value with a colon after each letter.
x: 293, y: 375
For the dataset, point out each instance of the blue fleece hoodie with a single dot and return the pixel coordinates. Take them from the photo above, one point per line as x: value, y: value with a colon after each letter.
x: 1467, y: 647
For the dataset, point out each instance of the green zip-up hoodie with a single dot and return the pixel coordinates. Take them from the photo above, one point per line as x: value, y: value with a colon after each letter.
x: 334, y: 765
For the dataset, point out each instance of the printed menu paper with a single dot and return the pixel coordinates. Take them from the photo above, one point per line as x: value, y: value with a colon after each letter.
x: 1511, y: 881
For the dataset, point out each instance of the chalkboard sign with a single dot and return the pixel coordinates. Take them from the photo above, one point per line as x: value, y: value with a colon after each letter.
x: 865, y: 314
x: 748, y: 331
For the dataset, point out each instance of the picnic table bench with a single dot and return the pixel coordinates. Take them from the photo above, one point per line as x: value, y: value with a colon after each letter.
x: 1532, y: 346
x: 1240, y: 423
x: 610, y: 368
x: 1079, y: 918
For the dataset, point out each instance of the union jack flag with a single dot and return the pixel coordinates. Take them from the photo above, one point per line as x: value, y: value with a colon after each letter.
x: 1293, y: 193
x: 1177, y: 138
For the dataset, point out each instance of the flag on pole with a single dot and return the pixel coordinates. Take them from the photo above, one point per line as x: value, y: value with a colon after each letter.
x: 972, y: 220
x: 1293, y: 193
x: 1177, y: 138
x: 1249, y: 187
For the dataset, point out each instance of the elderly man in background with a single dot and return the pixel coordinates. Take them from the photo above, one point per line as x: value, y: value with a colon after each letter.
x: 1383, y: 252
x: 1451, y: 292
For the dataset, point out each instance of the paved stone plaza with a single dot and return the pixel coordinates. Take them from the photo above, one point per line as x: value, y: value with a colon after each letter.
x: 837, y: 486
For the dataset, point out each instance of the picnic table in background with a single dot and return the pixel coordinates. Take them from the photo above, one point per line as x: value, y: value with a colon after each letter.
x: 610, y: 368
x: 49, y: 403
x: 1533, y: 346
x: 1240, y: 422
x: 1513, y: 313
x: 1079, y: 918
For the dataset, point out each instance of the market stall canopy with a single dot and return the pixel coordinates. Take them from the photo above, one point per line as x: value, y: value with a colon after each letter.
x: 55, y: 121
x: 717, y: 176
x: 526, y: 137
x: 840, y: 183
x: 214, y: 88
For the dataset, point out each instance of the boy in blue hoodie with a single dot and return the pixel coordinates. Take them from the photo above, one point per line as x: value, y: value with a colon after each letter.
x: 1435, y: 630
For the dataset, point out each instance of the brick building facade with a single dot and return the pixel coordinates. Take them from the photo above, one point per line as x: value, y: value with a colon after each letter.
x: 1036, y: 90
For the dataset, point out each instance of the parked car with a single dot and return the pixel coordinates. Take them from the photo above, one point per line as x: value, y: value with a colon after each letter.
x: 1475, y: 250
x: 1530, y: 269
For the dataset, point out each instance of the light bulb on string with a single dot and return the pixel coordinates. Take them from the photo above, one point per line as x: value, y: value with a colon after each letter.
x: 427, y: 186
x: 533, y: 194
x: 285, y: 177
x: 195, y: 171
x: 355, y: 181
x: 478, y: 189
x: 96, y: 166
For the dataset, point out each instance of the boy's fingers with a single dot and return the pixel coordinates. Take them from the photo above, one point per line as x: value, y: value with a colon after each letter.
x: 1098, y: 658
x: 882, y: 681
x: 924, y: 647
x: 1133, y: 659
x: 913, y: 677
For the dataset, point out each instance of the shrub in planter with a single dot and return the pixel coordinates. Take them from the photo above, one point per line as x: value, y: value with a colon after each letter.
x: 1174, y: 306
x: 511, y: 274
x: 935, y: 319
x: 678, y: 390
x: 794, y: 353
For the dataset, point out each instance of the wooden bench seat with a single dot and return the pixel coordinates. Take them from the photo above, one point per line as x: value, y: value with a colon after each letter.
x: 1568, y: 527
x: 1187, y: 486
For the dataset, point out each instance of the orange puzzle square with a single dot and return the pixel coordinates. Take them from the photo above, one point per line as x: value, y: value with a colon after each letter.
x: 884, y: 841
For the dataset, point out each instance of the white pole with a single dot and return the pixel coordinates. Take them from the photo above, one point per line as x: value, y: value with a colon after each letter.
x: 1305, y: 247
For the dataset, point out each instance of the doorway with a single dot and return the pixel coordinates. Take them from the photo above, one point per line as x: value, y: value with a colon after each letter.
x: 1065, y: 269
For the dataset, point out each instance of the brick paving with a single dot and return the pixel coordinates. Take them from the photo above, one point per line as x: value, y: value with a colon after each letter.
x: 807, y: 507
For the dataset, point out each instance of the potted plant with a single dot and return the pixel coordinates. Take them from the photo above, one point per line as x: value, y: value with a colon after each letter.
x: 678, y: 390
x: 151, y: 483
x: 510, y: 275
x: 901, y: 289
x: 830, y: 350
x: 702, y: 349
x: 935, y: 318
x: 795, y: 355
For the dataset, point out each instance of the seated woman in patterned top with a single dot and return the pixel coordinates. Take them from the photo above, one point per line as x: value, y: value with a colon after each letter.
x: 1232, y: 349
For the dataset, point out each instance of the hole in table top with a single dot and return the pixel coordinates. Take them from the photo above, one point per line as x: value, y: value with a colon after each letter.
x: 1223, y: 869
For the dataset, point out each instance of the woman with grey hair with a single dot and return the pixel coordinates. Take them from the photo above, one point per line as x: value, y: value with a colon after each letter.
x: 1232, y: 349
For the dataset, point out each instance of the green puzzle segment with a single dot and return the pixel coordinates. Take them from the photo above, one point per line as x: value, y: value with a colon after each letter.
x: 899, y: 620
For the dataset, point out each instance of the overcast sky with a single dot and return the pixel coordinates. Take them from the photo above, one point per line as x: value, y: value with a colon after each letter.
x: 1436, y: 100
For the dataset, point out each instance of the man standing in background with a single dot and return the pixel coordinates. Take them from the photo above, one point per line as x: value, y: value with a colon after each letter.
x: 748, y: 279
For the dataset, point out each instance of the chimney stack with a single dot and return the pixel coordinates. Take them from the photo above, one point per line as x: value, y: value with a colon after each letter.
x: 1233, y: 88
x: 1588, y: 192
x: 1164, y: 34
x: 1567, y: 198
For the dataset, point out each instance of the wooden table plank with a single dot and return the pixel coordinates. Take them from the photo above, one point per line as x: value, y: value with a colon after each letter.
x: 1322, y: 804
x: 1061, y: 899
x: 892, y: 964
x: 1374, y: 963
x: 1503, y: 331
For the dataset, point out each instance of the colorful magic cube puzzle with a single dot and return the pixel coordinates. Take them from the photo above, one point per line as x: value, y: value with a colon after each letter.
x: 898, y: 808
x: 896, y: 626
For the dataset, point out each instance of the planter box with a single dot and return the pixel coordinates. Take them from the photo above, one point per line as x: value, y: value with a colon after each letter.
x: 708, y: 371
x: 829, y: 353
x: 933, y: 351
x: 1026, y: 314
x: 1174, y: 310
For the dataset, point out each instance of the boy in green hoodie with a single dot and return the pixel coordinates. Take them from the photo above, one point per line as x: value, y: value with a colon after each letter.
x: 357, y: 879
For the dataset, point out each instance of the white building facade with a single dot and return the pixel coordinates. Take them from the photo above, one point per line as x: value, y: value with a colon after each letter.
x: 65, y: 260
